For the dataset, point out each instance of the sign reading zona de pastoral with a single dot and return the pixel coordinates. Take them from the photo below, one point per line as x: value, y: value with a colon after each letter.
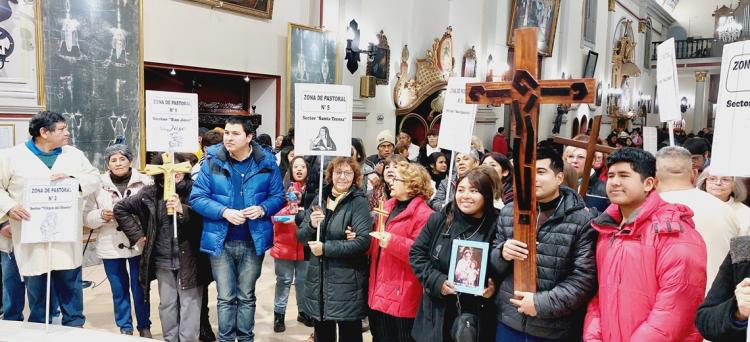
x: 323, y: 119
x: 457, y: 123
x: 171, y: 121
x: 729, y: 151
x: 666, y: 82
x: 53, y: 207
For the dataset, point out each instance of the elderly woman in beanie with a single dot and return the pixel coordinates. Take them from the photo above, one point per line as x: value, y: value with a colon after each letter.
x: 112, y: 246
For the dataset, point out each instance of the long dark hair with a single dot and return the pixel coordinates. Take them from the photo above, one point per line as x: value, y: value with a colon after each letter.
x: 482, y: 182
x: 288, y: 178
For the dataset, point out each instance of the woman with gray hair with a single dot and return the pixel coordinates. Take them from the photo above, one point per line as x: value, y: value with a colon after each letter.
x: 112, y: 246
x: 730, y: 190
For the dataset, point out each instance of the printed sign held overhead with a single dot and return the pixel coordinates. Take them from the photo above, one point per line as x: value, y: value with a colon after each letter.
x: 171, y: 121
x: 323, y: 119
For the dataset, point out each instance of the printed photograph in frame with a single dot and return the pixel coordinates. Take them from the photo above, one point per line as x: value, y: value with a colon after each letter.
x: 256, y: 8
x: 536, y: 13
x: 468, y: 266
x: 311, y: 58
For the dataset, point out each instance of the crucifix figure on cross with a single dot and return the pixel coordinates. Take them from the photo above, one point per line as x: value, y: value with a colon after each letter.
x: 382, y: 215
x: 524, y: 94
x: 168, y: 169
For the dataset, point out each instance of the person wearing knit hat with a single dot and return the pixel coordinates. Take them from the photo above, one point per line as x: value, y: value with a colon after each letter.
x: 385, y: 145
x: 112, y: 246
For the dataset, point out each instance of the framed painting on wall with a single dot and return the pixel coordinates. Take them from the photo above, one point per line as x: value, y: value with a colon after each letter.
x: 536, y: 13
x: 20, y: 75
x: 256, y: 8
x: 379, y: 63
x: 311, y: 58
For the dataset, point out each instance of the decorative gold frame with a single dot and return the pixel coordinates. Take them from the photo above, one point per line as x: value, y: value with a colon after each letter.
x: 445, y: 43
x: 337, y: 77
x: 267, y: 14
x: 382, y: 45
x: 547, y: 52
x: 141, y: 76
x: 12, y: 130
x: 41, y: 95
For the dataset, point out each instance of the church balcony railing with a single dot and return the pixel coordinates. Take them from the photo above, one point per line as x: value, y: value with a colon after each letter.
x: 693, y: 48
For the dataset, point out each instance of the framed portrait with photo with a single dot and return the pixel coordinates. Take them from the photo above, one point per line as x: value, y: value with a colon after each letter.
x: 541, y: 14
x: 468, y: 269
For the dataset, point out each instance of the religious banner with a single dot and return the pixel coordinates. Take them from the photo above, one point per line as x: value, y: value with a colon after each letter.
x: 171, y: 121
x: 53, y: 206
x: 666, y: 82
x: 323, y: 119
x: 458, y: 117
x: 729, y: 154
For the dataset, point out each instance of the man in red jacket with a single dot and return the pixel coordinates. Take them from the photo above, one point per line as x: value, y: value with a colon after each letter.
x: 499, y: 144
x: 650, y: 260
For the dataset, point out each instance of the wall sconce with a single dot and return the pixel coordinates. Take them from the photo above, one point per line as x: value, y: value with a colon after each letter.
x: 173, y: 72
x: 352, y: 47
x: 684, y: 105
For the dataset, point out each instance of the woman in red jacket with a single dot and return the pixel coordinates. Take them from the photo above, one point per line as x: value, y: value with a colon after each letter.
x: 394, y: 292
x: 288, y: 254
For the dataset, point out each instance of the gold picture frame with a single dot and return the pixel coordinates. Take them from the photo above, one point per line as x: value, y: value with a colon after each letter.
x: 7, y: 130
x: 141, y: 81
x: 249, y: 7
x: 531, y: 15
x: 297, y: 72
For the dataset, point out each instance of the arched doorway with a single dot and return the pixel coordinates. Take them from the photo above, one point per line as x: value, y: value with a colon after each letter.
x: 576, y: 127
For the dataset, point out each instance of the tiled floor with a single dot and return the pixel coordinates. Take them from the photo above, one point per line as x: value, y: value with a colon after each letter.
x: 99, y: 313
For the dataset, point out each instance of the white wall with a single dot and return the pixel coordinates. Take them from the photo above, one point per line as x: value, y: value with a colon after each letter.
x: 263, y: 96
x: 187, y: 33
x: 695, y: 16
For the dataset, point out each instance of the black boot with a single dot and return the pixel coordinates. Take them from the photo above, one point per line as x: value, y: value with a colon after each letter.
x: 305, y: 319
x: 278, y: 322
x: 206, y: 333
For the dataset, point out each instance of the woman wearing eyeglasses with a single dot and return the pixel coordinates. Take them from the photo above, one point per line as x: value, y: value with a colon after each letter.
x: 730, y: 190
x: 394, y: 291
x: 470, y: 216
x: 336, y: 282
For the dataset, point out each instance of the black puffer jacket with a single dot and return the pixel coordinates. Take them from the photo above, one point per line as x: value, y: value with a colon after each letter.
x: 140, y: 215
x: 430, y: 258
x: 566, y: 271
x: 336, y: 283
x: 715, y: 319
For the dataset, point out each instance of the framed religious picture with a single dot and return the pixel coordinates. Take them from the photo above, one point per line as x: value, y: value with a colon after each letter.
x: 257, y: 8
x: 536, y: 13
x: 378, y: 65
x: 7, y: 135
x: 468, y: 266
x: 589, y: 67
x: 21, y: 80
x: 469, y: 65
x: 445, y: 52
x: 311, y: 58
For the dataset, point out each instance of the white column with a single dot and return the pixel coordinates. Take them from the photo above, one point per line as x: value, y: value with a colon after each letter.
x: 699, y: 111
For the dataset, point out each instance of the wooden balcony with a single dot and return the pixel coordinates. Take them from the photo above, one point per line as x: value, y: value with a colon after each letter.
x: 693, y: 48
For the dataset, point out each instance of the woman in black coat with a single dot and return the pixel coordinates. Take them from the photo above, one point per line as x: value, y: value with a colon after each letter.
x: 336, y: 282
x: 471, y: 216
x: 724, y: 313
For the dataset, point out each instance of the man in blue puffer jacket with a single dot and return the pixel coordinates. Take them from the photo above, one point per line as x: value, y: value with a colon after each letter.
x: 237, y: 191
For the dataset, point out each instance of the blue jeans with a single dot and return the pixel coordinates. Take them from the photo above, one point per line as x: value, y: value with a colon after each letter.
x: 66, y: 284
x: 14, y: 291
x: 508, y: 334
x: 121, y: 286
x: 236, y: 270
x: 286, y: 271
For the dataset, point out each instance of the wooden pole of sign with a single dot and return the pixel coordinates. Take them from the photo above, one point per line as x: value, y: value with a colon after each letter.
x: 525, y: 93
x: 670, y: 123
x: 321, y: 205
x: 591, y: 147
x: 450, y: 179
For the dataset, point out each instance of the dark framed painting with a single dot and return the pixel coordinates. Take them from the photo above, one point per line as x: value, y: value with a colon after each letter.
x: 311, y: 58
x: 378, y: 65
x: 469, y: 64
x: 256, y: 8
x: 541, y: 14
x: 589, y: 68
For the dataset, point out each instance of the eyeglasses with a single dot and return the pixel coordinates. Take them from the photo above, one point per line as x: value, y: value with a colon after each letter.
x: 344, y: 174
x: 719, y: 180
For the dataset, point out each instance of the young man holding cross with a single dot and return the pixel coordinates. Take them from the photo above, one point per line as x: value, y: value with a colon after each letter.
x: 237, y: 191
x: 47, y: 155
x: 565, y: 263
x: 650, y: 260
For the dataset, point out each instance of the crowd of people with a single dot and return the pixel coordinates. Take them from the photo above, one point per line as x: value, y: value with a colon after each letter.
x: 656, y: 250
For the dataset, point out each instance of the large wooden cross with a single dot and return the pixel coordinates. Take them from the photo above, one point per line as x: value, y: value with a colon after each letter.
x: 168, y: 169
x: 591, y: 147
x: 525, y: 93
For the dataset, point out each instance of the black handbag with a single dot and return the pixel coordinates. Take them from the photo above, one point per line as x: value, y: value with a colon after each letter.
x: 465, y: 327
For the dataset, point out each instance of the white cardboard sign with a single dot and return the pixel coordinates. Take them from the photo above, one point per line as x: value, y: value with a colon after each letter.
x: 323, y: 119
x: 171, y: 121
x: 729, y: 151
x: 457, y: 124
x: 54, y: 211
x: 650, y: 139
x: 666, y: 81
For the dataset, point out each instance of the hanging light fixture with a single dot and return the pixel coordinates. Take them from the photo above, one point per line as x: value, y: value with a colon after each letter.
x: 729, y: 29
x: 173, y: 72
x: 247, y: 78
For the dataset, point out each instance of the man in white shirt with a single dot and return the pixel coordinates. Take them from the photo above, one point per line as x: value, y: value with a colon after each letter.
x: 714, y: 219
x: 405, y: 138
